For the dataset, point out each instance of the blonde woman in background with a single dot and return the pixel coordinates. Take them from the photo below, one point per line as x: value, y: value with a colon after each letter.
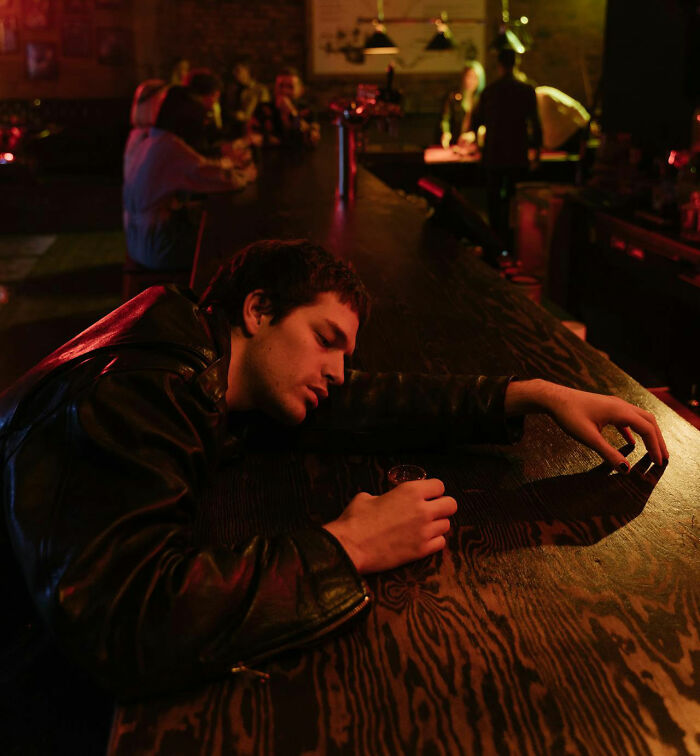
x: 458, y: 106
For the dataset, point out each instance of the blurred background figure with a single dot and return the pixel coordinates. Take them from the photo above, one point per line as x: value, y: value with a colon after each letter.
x: 459, y: 104
x: 160, y: 219
x: 180, y: 71
x: 145, y: 106
x: 563, y: 119
x: 288, y: 120
x: 205, y: 86
x: 508, y: 110
x: 243, y: 95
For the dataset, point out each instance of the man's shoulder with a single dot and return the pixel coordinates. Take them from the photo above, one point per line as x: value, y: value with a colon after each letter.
x: 508, y: 84
x: 159, y: 329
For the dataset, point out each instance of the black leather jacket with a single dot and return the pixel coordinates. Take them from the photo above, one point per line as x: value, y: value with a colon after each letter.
x: 106, y: 446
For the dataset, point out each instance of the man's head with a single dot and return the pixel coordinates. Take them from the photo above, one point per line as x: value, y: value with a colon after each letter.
x: 506, y: 59
x: 180, y: 71
x: 181, y: 114
x: 295, y: 311
x: 288, y: 83
x: 241, y: 72
x: 205, y: 85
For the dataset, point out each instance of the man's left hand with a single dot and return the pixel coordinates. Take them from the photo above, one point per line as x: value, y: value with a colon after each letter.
x: 583, y: 415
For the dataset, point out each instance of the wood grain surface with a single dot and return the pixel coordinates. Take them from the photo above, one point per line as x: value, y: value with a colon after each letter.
x: 563, y: 617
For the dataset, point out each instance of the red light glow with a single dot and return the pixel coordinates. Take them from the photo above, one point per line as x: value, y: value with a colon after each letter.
x: 6, y: 157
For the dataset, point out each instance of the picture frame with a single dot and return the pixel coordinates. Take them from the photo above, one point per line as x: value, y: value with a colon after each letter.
x: 9, y: 35
x: 42, y: 60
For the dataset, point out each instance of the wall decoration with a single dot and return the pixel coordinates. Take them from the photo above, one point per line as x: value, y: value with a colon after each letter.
x: 42, y: 60
x: 76, y: 38
x: 339, y: 29
x: 9, y: 36
x: 114, y: 46
x: 76, y: 6
x: 38, y: 14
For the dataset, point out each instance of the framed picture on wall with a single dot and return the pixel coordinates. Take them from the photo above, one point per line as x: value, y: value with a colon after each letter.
x: 42, y: 60
x: 76, y: 6
x: 114, y: 46
x: 76, y: 38
x: 9, y: 35
x: 38, y: 14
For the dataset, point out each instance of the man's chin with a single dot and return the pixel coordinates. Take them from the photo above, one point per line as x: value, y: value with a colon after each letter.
x: 288, y: 415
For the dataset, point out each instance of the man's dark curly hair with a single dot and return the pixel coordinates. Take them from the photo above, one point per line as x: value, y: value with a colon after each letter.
x: 291, y: 273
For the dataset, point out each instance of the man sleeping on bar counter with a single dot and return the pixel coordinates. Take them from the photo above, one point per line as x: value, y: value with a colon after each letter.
x: 108, y: 443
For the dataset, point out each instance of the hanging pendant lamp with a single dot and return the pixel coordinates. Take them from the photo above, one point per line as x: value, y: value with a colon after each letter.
x: 442, y: 40
x: 379, y: 42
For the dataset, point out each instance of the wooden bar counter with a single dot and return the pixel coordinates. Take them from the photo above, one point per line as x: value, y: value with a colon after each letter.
x: 563, y: 617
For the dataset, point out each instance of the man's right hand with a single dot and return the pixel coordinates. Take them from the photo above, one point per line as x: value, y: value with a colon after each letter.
x: 407, y: 523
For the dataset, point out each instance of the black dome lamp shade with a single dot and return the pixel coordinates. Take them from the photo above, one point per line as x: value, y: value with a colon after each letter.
x: 379, y: 42
x: 442, y: 40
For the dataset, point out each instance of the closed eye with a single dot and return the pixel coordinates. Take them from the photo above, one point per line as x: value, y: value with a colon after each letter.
x: 322, y: 340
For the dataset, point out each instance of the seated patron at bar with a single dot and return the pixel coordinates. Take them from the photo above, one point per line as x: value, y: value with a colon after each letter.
x: 108, y: 443
x: 205, y: 87
x: 145, y: 106
x: 289, y: 120
x: 243, y: 95
x: 160, y: 175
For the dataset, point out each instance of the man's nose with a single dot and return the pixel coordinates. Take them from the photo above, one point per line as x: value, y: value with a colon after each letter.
x: 334, y: 371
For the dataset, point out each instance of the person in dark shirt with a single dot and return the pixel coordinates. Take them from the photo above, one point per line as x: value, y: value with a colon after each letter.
x: 287, y: 120
x: 508, y: 110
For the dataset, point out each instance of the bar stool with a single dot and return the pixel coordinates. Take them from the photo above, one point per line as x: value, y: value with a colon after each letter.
x: 136, y: 277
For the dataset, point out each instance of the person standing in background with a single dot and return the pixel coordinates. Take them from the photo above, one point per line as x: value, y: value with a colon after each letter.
x: 508, y: 110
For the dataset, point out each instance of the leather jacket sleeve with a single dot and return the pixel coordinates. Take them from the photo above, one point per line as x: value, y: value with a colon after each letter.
x: 389, y: 411
x: 102, y: 491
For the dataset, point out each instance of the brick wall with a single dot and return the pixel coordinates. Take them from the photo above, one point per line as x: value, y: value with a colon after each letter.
x: 567, y: 51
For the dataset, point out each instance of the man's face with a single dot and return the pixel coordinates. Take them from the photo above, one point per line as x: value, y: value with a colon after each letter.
x: 290, y: 365
x: 241, y: 74
x: 288, y: 86
x: 470, y: 81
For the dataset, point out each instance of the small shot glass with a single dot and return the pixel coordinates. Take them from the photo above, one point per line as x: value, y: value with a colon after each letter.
x: 402, y: 473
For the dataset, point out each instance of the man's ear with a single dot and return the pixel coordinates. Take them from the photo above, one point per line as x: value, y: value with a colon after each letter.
x: 256, y: 311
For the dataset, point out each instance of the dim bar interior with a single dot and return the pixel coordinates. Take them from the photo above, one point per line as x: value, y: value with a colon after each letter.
x: 554, y: 228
